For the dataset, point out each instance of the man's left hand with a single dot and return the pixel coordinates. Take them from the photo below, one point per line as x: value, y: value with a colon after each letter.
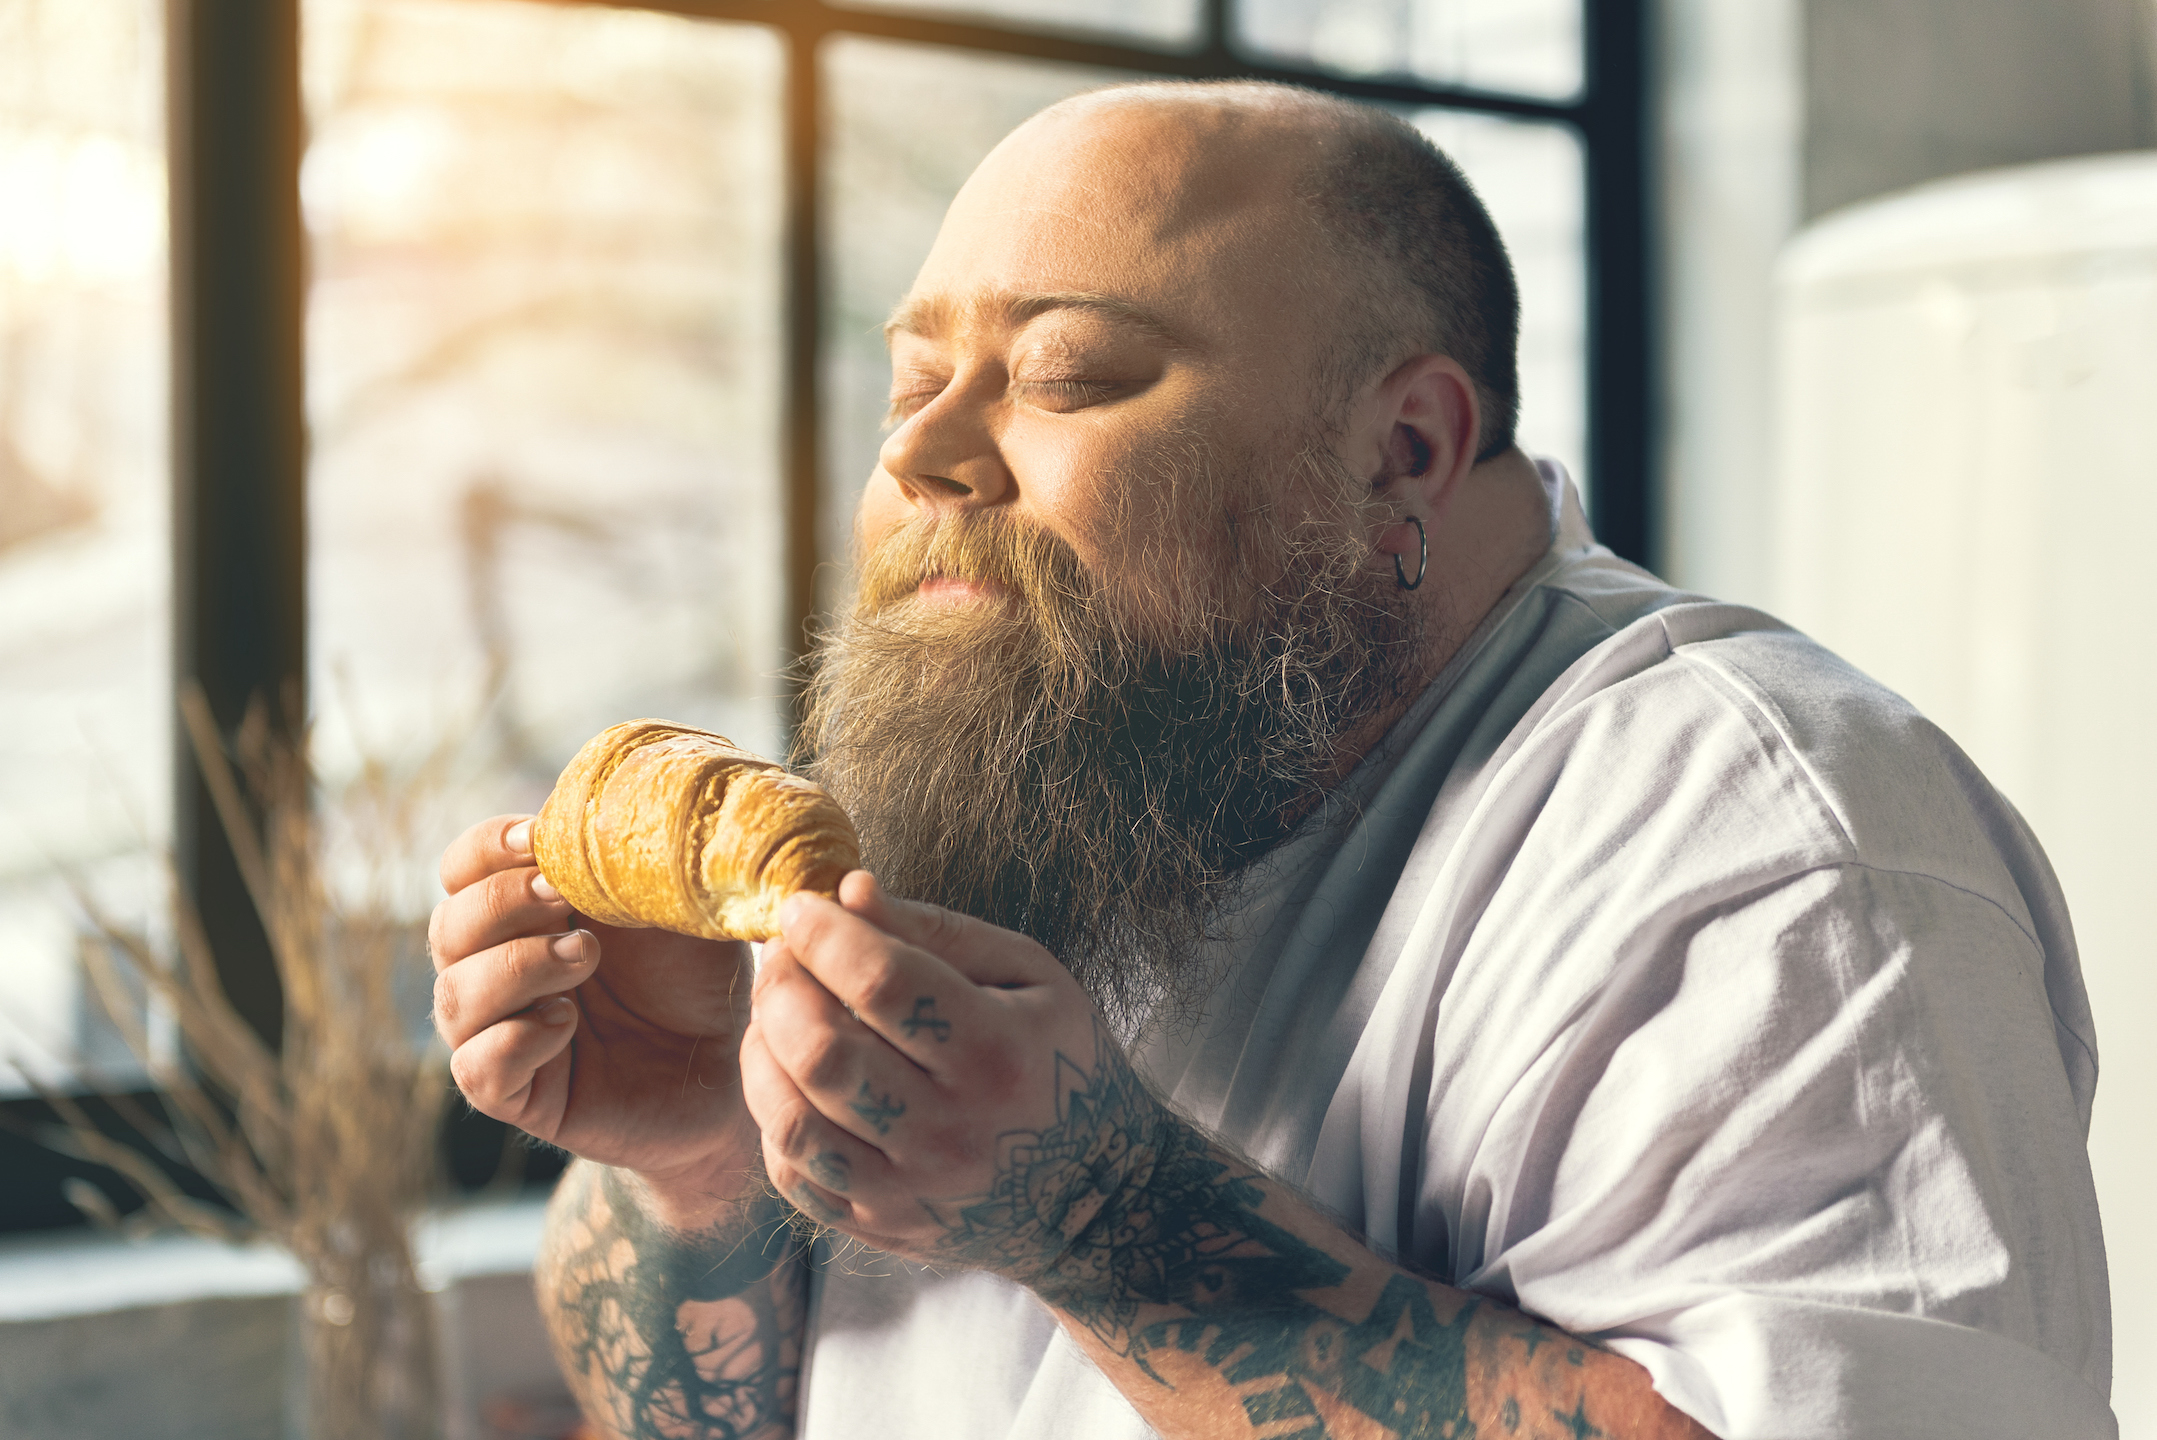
x: 914, y: 1073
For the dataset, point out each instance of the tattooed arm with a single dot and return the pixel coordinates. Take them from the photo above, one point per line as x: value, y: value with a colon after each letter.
x: 1221, y: 1303
x: 669, y: 1281
x: 940, y: 1088
x: 687, y: 1335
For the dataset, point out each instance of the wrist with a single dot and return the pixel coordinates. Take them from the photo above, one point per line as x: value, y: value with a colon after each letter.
x: 700, y: 1194
x: 1093, y: 1271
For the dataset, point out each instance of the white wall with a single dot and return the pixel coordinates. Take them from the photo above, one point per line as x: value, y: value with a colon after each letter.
x: 1899, y: 92
x: 1732, y: 93
x: 1775, y: 112
x: 1966, y: 501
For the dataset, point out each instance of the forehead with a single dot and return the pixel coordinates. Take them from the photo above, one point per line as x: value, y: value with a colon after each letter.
x: 1186, y: 220
x: 934, y: 314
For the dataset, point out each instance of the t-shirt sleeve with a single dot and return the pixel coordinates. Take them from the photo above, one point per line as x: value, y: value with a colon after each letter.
x: 1813, y: 1161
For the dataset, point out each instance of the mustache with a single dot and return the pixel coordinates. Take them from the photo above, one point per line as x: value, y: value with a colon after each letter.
x: 990, y: 547
x: 1052, y: 597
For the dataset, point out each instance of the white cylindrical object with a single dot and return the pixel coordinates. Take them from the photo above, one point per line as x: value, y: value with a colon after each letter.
x: 1966, y: 499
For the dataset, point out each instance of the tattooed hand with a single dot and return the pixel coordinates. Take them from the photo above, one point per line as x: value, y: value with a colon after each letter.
x: 928, y: 1083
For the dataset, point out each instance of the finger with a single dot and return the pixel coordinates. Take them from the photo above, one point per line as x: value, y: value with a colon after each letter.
x: 845, y: 1069
x: 500, y: 1069
x: 501, y: 843
x: 985, y: 954
x: 495, y: 908
x: 488, y: 987
x: 818, y: 1204
x: 913, y: 1001
x: 814, y: 1163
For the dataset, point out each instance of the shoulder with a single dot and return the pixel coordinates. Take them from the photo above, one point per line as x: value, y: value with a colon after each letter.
x: 1757, y: 741
x: 1707, y: 766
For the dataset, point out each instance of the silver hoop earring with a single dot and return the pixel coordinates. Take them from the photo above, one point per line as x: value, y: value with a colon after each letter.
x: 1423, y: 558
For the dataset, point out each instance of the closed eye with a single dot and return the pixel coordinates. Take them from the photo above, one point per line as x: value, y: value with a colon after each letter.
x: 1071, y: 394
x: 1055, y: 395
x: 902, y: 406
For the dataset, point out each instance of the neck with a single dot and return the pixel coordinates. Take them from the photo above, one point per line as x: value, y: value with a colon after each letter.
x: 1484, y: 533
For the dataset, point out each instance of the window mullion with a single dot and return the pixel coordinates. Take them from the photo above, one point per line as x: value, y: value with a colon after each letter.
x: 1622, y: 392
x: 239, y: 436
x: 801, y: 336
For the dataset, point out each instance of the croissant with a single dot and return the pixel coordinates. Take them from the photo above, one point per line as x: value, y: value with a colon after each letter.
x: 662, y: 826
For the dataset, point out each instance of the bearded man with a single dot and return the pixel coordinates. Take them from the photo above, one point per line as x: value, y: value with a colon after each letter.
x: 1371, y: 962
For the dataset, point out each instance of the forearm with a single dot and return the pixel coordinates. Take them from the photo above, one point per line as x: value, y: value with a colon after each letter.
x: 687, y: 1327
x: 1236, y: 1308
x: 987, y: 1119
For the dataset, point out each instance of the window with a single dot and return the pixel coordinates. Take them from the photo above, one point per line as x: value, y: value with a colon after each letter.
x: 586, y: 299
x: 543, y: 362
x: 83, y: 504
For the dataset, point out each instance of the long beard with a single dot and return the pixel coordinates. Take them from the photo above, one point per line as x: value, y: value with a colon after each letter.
x: 1039, y: 764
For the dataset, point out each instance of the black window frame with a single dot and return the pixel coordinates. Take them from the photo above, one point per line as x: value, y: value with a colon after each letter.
x: 235, y: 138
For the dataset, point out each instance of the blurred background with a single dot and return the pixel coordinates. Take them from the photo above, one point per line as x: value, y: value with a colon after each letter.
x: 491, y: 370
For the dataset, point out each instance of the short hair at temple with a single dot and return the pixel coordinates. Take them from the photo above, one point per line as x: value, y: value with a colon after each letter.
x: 1422, y: 263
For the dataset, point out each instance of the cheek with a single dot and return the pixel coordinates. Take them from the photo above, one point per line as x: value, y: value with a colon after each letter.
x: 1147, y: 519
x: 1115, y: 493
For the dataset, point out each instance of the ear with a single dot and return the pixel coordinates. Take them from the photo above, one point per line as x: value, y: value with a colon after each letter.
x: 1427, y: 426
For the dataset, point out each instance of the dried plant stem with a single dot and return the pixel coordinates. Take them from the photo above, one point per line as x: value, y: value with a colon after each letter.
x: 326, y: 1144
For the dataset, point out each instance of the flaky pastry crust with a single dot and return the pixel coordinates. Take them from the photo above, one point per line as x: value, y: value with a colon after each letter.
x: 667, y: 827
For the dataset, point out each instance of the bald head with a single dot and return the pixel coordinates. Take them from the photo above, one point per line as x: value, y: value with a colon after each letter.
x: 1174, y: 198
x: 1313, y: 207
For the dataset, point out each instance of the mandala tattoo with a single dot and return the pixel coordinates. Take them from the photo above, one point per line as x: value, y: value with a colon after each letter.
x: 1120, y: 1210
x: 666, y: 1336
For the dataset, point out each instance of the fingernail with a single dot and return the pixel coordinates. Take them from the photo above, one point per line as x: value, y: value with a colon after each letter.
x: 518, y: 838
x: 570, y: 947
x: 545, y: 891
x: 558, y: 1011
x: 790, y: 909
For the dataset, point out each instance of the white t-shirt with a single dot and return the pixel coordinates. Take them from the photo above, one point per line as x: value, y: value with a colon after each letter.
x: 1664, y: 976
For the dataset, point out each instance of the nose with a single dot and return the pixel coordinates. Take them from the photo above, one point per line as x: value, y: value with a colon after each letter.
x: 945, y: 455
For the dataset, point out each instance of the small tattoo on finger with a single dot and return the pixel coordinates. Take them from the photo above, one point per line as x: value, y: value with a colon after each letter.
x: 926, y: 1018
x: 878, y: 1110
x: 831, y: 1170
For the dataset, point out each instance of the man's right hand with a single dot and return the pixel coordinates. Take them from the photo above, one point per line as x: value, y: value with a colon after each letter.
x: 617, y: 1045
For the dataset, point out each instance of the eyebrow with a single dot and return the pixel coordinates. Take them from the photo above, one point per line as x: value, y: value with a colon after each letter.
x: 925, y: 315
